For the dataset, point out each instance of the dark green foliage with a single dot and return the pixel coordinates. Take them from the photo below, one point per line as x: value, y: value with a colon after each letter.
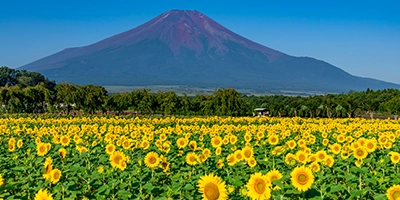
x: 31, y: 92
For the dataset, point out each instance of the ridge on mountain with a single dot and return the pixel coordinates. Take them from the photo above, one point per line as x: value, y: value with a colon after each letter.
x: 183, y: 47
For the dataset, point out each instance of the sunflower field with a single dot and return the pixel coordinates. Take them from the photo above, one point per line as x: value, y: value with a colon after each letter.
x: 109, y: 157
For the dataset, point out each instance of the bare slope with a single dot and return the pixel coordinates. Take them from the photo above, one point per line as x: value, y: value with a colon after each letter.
x: 182, y: 47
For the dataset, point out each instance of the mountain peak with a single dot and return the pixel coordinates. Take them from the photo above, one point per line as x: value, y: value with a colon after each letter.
x: 186, y: 47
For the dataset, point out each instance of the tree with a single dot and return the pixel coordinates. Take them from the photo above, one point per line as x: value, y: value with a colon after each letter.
x: 168, y: 102
x: 8, y: 76
x: 119, y: 102
x: 393, y: 106
x: 67, y: 95
x: 186, y: 104
x: 91, y: 98
x: 228, y: 102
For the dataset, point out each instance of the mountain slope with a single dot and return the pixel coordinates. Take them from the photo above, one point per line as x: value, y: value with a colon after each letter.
x: 188, y: 48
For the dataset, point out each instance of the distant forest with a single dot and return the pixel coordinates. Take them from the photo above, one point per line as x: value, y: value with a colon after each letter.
x: 22, y: 91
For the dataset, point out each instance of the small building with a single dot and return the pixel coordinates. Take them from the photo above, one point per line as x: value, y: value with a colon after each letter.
x: 262, y: 112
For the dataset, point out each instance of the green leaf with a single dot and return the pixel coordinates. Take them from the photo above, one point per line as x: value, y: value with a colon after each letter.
x: 380, y: 196
x: 19, y: 168
x: 336, y: 188
x: 371, y: 180
x: 292, y: 192
x: 102, y: 189
x: 356, y: 193
x: 124, y: 194
x: 188, y: 187
x: 237, y: 183
x: 148, y: 186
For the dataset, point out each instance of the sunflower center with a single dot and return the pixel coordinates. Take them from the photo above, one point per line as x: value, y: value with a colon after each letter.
x: 56, y: 175
x: 259, y: 186
x: 396, y: 195
x: 211, y: 191
x: 247, y: 154
x: 117, y: 159
x: 360, y: 152
x: 152, y: 160
x: 302, y: 179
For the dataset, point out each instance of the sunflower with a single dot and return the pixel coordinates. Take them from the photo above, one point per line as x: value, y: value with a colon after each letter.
x: 314, y: 166
x: 388, y: 145
x: 394, y: 157
x: 48, y: 166
x: 218, y: 151
x: 329, y: 161
x: 247, y: 137
x: 181, y: 143
x: 126, y: 144
x: 358, y: 162
x: 312, y: 158
x: 335, y: 148
x: 302, y: 178
x: 1, y: 180
x: 55, y: 176
x: 301, y: 157
x: 41, y: 149
x: 11, y: 147
x: 64, y: 140
x: 212, y: 187
x: 43, y: 195
x: 191, y: 158
x: 393, y: 193
x: 193, y: 145
x: 145, y: 144
x: 118, y: 160
x: 19, y: 143
x: 290, y: 159
x: 291, y: 144
x: 216, y: 141
x: 220, y: 164
x: 247, y: 152
x: 360, y: 153
x: 321, y: 154
x: 325, y: 142
x: 302, y: 143
x: 273, y: 140
x: 273, y: 175
x: 231, y: 159
x: 370, y: 145
x: 252, y: 162
x: 62, y: 153
x: 233, y: 139
x: 110, y: 148
x: 258, y: 187
x: 341, y: 138
x: 100, y: 169
x: 238, y: 155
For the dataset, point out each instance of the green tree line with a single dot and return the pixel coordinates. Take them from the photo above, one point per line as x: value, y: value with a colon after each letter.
x: 30, y: 92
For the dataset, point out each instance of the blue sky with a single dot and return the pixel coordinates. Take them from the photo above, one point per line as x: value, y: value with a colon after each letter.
x: 360, y: 37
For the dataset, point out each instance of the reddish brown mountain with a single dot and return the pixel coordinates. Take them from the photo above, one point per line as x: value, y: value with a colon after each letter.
x: 182, y: 47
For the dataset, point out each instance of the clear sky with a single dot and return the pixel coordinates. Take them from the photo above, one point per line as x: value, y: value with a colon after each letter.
x: 361, y: 37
